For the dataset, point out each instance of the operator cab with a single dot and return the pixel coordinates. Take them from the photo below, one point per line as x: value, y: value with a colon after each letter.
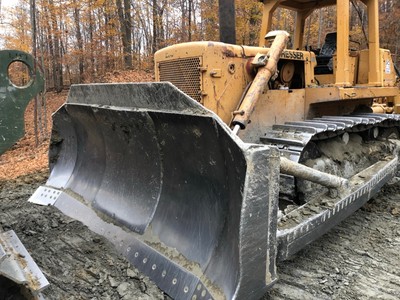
x: 336, y: 65
x: 325, y: 56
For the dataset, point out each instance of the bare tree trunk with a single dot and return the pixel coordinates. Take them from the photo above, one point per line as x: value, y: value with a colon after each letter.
x: 57, y: 66
x: 183, y: 19
x: 158, y: 30
x: 227, y: 27
x: 190, y: 20
x: 50, y: 43
x: 125, y: 32
x: 308, y: 32
x: 253, y: 33
x: 155, y: 32
x: 79, y: 39
x: 360, y: 15
x: 41, y: 36
x: 278, y: 18
x: 128, y: 33
x: 91, y: 43
x: 320, y: 25
x: 33, y: 25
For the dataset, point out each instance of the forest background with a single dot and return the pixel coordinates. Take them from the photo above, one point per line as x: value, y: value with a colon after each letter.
x: 80, y: 41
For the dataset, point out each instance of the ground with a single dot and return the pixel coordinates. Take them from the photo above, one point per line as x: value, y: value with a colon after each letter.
x: 359, y: 259
x: 78, y: 263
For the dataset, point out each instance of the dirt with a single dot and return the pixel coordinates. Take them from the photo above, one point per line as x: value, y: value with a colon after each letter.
x: 344, y: 160
x: 78, y: 263
x: 356, y: 260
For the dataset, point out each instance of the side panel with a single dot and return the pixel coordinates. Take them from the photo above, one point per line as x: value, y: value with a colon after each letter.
x: 217, y: 82
x: 224, y: 72
x: 274, y: 107
x: 386, y: 67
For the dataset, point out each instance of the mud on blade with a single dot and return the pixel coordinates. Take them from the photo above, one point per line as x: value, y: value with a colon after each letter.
x: 189, y: 204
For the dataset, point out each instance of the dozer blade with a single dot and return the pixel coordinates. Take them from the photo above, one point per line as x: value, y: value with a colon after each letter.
x: 188, y: 203
x: 14, y: 99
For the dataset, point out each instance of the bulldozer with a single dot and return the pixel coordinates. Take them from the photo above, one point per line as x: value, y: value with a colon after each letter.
x: 235, y: 159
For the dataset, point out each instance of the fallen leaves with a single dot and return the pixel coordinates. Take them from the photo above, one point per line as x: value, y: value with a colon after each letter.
x: 25, y: 157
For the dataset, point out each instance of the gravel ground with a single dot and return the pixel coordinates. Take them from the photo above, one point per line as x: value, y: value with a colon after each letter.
x: 359, y: 259
x: 78, y: 263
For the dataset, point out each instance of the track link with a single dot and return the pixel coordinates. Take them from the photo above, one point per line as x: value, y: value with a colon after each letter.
x: 292, y: 137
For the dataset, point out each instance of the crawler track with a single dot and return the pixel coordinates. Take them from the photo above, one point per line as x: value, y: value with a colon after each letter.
x: 293, y: 137
x: 296, y: 140
x: 306, y: 142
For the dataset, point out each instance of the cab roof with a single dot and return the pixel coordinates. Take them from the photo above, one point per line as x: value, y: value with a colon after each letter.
x: 303, y: 4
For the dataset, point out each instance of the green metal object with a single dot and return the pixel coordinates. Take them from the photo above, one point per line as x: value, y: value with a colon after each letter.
x: 14, y: 99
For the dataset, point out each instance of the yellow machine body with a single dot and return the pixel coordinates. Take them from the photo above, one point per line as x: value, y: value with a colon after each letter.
x: 217, y: 74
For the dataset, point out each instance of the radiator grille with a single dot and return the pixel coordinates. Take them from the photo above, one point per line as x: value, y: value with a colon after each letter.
x: 184, y: 74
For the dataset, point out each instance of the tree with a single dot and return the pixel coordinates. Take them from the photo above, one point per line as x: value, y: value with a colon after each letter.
x: 81, y: 41
x: 124, y: 14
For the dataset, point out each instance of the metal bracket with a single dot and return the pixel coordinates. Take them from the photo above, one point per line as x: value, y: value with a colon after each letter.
x: 260, y: 60
x: 14, y: 99
x: 17, y: 265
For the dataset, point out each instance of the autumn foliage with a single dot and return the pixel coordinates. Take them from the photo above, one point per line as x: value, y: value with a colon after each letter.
x: 82, y: 41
